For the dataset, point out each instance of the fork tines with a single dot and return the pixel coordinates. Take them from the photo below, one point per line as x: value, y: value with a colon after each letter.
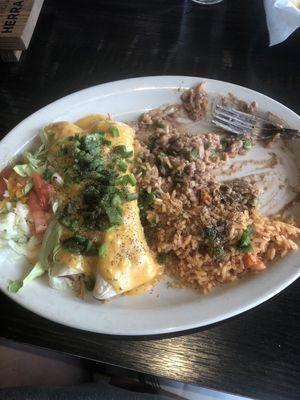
x: 233, y: 120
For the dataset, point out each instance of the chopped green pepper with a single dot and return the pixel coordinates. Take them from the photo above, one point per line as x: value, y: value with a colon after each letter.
x: 161, y: 258
x: 80, y: 245
x: 102, y: 251
x: 122, y: 151
x: 114, y: 131
x: 213, y: 153
x: 245, y: 241
x: 195, y: 153
x: 247, y: 144
x: 122, y: 165
x: 219, y: 253
x: 132, y: 196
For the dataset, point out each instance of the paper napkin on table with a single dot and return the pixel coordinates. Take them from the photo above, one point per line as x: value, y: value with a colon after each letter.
x: 283, y: 18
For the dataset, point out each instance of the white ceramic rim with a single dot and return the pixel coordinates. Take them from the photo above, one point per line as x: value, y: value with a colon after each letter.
x: 48, y: 114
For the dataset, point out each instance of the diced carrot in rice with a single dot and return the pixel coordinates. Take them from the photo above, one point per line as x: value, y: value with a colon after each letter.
x: 205, y: 197
x: 253, y: 262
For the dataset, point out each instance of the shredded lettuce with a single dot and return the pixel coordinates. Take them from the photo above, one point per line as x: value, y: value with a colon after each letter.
x: 23, y: 169
x: 37, y: 162
x: 56, y: 250
x: 44, y: 137
x: 37, y: 270
x: 14, y: 286
x: 33, y: 160
x: 50, y: 242
x: 47, y: 138
x: 14, y: 229
x: 14, y: 226
x: 20, y: 248
x: 55, y: 206
x: 28, y: 186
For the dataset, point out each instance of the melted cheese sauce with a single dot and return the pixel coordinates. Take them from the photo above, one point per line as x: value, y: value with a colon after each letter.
x: 86, y: 123
x: 63, y: 128
x: 146, y: 287
x: 81, y: 264
x: 128, y: 263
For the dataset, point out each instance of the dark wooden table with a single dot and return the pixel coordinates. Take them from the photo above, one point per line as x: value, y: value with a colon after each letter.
x: 78, y: 44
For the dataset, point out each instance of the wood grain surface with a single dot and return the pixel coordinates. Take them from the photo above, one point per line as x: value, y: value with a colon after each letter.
x: 82, y: 43
x: 17, y: 22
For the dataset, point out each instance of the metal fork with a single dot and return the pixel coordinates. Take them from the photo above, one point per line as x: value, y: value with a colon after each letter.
x: 241, y: 123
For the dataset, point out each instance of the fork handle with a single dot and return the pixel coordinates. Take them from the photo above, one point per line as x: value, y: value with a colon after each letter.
x: 290, y: 132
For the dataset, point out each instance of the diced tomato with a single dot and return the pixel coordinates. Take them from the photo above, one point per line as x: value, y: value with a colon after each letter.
x: 4, y: 174
x: 39, y: 216
x: 205, y: 197
x: 253, y: 262
x: 44, y: 190
x: 39, y: 203
x: 21, y: 182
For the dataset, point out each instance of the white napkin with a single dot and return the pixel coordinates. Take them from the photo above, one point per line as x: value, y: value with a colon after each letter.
x: 283, y: 17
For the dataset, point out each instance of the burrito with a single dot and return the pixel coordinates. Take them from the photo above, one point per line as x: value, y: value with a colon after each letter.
x: 102, y: 244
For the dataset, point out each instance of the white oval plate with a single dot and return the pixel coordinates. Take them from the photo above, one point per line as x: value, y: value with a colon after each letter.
x: 164, y: 309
